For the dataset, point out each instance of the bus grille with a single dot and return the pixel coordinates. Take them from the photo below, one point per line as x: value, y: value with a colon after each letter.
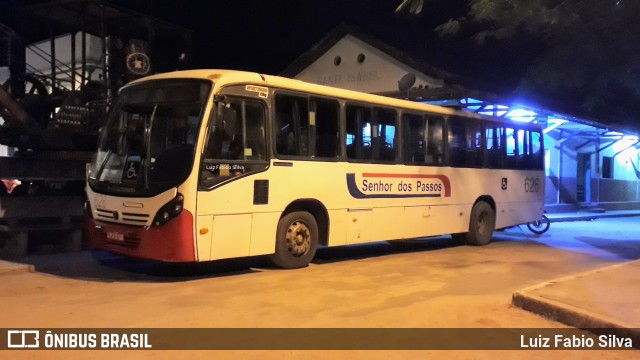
x: 127, y: 218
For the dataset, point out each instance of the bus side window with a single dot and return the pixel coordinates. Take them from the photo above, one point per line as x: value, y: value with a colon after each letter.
x: 456, y: 143
x: 465, y: 143
x: 423, y: 139
x: 512, y: 148
x: 522, y: 161
x: 529, y: 154
x: 537, y: 159
x: 236, y: 142
x: 254, y: 147
x: 359, y: 126
x: 384, y: 139
x: 474, y: 144
x: 495, y: 146
x: 224, y: 132
x: 415, y: 151
x: 435, y: 140
x: 292, y: 125
x: 327, y: 129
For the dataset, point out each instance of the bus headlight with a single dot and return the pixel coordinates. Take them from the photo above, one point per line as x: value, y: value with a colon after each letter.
x: 169, y: 211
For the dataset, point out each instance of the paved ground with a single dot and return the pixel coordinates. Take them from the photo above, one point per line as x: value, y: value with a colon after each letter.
x: 429, y: 283
x: 605, y: 297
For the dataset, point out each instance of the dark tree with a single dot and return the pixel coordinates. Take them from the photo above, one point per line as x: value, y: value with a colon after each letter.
x: 589, y: 64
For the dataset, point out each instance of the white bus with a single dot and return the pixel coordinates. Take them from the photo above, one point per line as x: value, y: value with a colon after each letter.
x: 212, y: 164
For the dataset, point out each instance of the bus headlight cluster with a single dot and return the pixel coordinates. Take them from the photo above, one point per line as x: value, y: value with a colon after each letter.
x: 169, y: 211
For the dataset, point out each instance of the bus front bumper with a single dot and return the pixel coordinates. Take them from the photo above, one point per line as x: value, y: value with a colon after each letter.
x: 172, y: 242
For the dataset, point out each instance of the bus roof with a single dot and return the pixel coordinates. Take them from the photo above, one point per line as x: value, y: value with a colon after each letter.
x: 231, y: 77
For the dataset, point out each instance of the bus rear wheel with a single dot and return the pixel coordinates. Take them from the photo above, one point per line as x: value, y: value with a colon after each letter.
x: 296, y: 240
x: 481, y: 225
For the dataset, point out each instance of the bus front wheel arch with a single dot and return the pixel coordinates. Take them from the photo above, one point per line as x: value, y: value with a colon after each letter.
x: 296, y: 240
x: 482, y: 223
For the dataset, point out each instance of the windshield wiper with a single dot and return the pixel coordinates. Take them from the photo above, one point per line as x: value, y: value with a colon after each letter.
x: 147, y: 141
x: 103, y: 164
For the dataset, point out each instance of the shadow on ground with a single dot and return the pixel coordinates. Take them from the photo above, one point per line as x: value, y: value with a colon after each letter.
x: 382, y: 248
x: 108, y: 267
x: 626, y: 249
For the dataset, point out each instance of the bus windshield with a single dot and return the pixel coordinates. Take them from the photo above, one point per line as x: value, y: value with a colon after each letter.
x: 147, y: 145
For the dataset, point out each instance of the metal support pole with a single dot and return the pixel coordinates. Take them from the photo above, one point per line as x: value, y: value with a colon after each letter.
x: 83, y: 76
x: 73, y: 61
x: 52, y: 40
x: 584, y: 144
x: 607, y: 146
x: 560, y: 162
x: 105, y: 71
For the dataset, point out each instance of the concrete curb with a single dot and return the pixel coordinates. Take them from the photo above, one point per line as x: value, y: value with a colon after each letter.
x: 588, y: 216
x: 572, y: 218
x: 572, y: 315
x: 10, y: 268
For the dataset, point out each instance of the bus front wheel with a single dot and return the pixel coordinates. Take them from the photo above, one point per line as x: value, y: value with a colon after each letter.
x: 296, y: 240
x: 481, y: 225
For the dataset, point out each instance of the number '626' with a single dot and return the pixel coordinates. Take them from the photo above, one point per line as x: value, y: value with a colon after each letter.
x: 531, y: 184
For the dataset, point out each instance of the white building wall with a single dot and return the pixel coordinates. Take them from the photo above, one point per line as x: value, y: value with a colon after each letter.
x: 378, y: 72
x: 622, y: 163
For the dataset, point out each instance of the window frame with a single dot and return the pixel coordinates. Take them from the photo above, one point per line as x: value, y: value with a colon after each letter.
x: 202, y: 185
x: 425, y: 117
x: 375, y: 145
x: 480, y: 123
x: 312, y: 137
x: 501, y: 134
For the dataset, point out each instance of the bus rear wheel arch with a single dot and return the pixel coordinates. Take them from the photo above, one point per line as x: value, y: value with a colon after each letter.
x: 296, y: 240
x: 482, y: 222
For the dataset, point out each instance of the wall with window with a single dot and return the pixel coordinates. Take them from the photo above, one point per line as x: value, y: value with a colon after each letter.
x: 355, y: 65
x: 582, y: 170
x: 619, y: 172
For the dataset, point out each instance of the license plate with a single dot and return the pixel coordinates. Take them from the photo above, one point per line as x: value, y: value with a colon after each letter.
x: 114, y: 235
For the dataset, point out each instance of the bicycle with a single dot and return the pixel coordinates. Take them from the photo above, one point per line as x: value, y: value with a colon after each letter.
x: 539, y: 226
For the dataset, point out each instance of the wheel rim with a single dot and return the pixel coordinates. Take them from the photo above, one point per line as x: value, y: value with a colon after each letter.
x: 298, y: 238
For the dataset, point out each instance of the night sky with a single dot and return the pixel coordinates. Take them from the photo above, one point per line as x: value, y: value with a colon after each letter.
x: 267, y: 35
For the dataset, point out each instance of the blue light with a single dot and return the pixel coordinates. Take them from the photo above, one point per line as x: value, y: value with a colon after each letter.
x: 520, y: 114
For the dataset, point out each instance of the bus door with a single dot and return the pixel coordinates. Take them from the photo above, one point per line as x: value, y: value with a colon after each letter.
x: 230, y: 187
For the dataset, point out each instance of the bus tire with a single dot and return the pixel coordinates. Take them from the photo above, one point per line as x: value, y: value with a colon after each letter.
x: 296, y: 240
x: 481, y: 225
